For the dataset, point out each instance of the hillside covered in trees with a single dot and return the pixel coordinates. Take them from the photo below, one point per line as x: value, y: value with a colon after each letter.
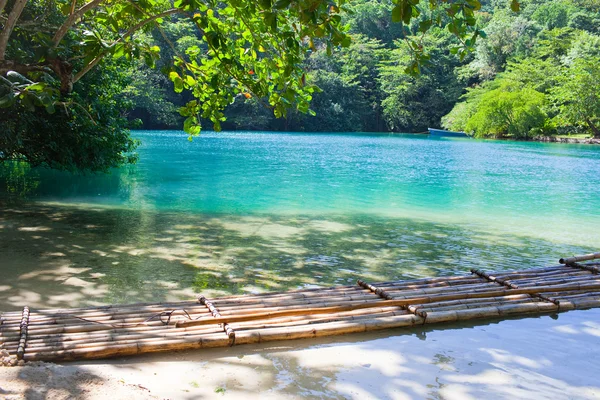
x: 76, y: 75
x: 536, y: 72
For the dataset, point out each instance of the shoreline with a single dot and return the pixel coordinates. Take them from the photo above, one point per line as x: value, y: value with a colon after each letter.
x: 546, y: 139
x: 554, y: 139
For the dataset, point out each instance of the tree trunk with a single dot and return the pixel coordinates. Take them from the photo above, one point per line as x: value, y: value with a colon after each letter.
x: 73, y: 18
x: 594, y: 128
x: 64, y: 70
x: 11, y: 21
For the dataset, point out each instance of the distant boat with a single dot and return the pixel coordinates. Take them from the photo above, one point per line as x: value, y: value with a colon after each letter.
x: 441, y: 133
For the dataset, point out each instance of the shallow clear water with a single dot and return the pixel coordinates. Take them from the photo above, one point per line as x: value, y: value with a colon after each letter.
x: 246, y: 212
x: 249, y: 212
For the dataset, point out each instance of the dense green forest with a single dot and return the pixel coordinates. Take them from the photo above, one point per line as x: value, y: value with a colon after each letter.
x: 76, y: 75
x: 536, y: 73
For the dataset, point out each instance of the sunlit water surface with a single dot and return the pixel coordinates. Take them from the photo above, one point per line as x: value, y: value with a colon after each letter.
x: 256, y: 211
x: 251, y: 212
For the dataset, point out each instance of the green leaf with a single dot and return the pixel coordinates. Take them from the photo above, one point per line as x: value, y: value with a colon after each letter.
x: 7, y: 100
x: 119, y: 50
x: 407, y: 13
x: 425, y: 25
x: 474, y: 4
x: 16, y: 77
x: 515, y: 6
x: 149, y: 60
x: 397, y: 13
x: 188, y: 124
x: 37, y: 87
x: 178, y: 83
x: 65, y: 9
x: 50, y: 108
x: 281, y: 4
x: 271, y: 19
x: 190, y: 80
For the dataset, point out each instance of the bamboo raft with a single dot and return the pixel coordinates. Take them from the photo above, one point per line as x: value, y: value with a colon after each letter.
x: 124, y: 330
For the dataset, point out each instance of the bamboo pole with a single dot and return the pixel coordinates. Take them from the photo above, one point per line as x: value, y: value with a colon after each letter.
x: 278, y: 334
x: 399, y: 302
x: 92, y: 326
x: 287, y: 313
x: 407, y: 286
x: 403, y: 302
x: 134, y: 306
x: 437, y: 309
x: 444, y: 280
x: 490, y: 278
x: 591, y: 268
x: 575, y: 259
x: 215, y: 313
x: 583, y: 276
x: 221, y: 302
x: 441, y: 290
x: 532, y: 273
x: 162, y: 305
x: 509, y: 284
x: 250, y: 304
x: 58, y: 329
x: 304, y: 331
x: 463, y: 306
x: 23, y: 334
x: 387, y: 296
x: 379, y: 292
x: 177, y: 333
x: 130, y: 339
x: 291, y: 314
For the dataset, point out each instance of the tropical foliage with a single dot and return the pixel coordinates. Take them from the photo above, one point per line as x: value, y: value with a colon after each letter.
x: 76, y: 75
x: 48, y: 48
x: 547, y: 83
x: 528, y: 72
x: 63, y: 58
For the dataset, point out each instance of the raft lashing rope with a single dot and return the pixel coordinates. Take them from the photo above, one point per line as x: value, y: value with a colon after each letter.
x: 124, y: 330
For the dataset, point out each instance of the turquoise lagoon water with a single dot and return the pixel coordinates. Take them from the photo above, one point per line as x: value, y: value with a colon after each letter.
x: 238, y: 212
